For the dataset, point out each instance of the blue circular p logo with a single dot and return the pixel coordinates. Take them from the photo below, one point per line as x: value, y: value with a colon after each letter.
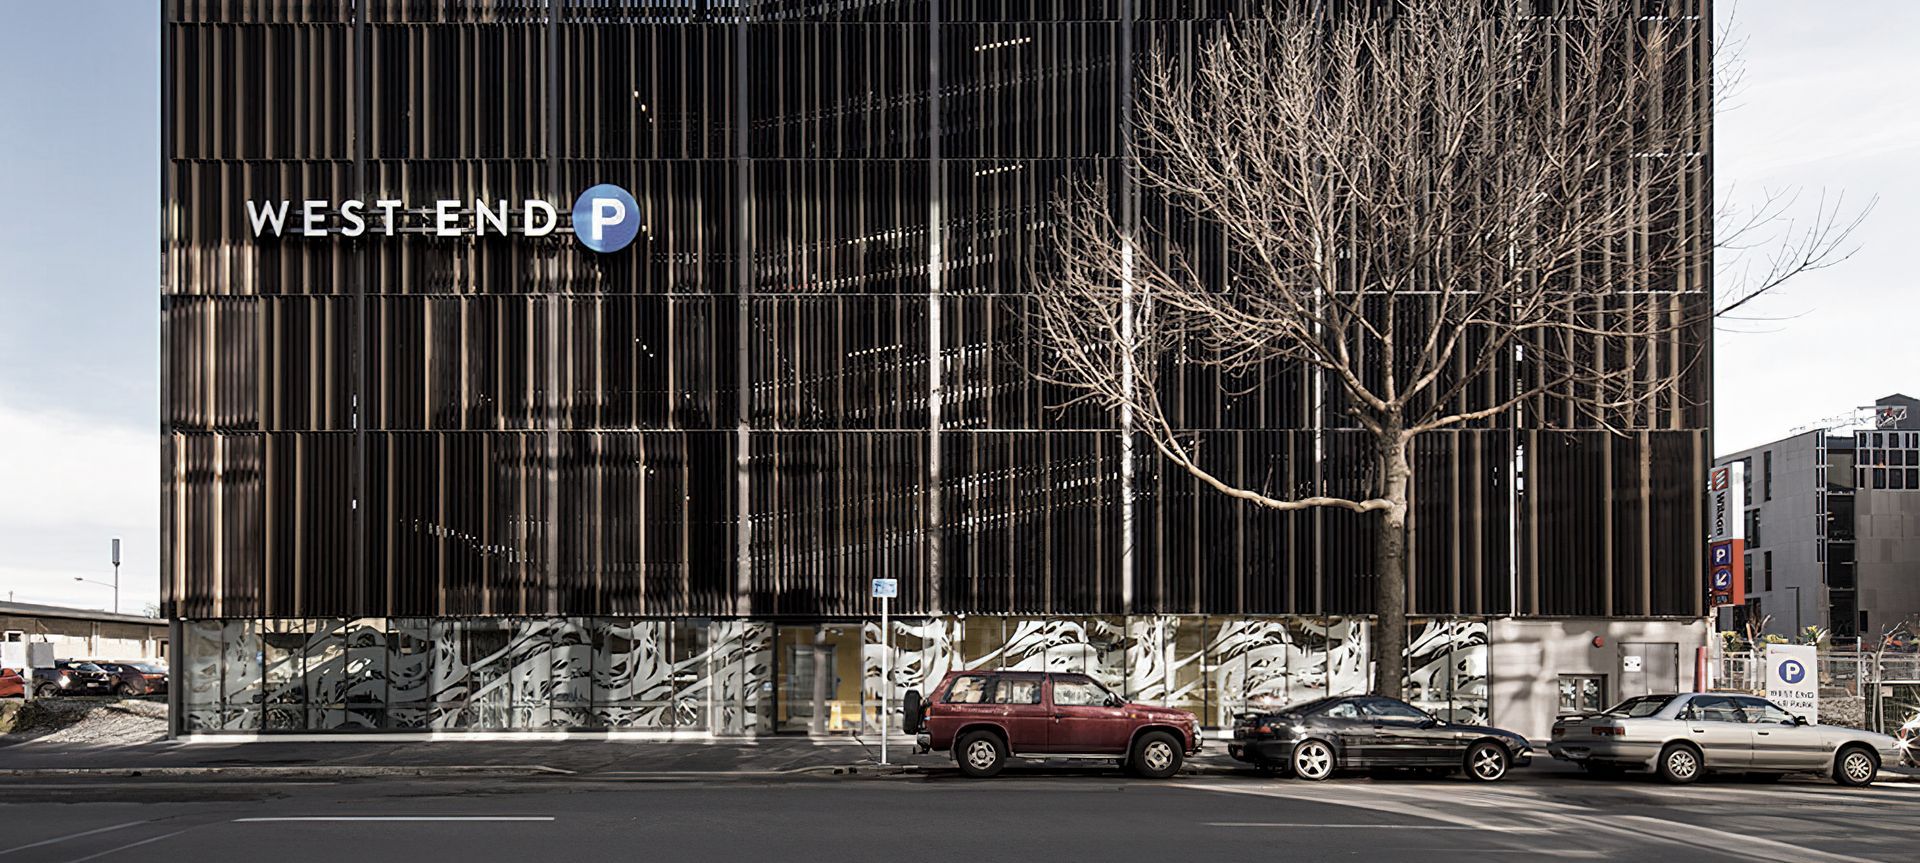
x: 605, y: 218
x: 1792, y: 671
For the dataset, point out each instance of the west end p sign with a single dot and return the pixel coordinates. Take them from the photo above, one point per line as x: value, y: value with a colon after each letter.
x: 1793, y: 679
x: 605, y: 218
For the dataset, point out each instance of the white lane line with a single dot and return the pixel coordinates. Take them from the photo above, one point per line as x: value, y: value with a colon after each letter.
x: 72, y: 836
x: 1303, y: 826
x: 126, y: 846
x: 395, y: 818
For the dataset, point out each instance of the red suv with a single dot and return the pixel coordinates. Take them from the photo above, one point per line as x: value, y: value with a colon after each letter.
x: 985, y: 717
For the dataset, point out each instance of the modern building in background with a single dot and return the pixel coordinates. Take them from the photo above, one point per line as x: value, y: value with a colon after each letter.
x: 440, y: 469
x: 1833, y: 529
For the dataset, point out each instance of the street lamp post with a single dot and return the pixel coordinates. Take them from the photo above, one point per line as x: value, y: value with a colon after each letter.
x: 1796, y: 611
x: 116, y: 577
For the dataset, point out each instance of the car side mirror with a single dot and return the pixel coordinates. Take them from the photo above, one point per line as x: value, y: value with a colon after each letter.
x: 1799, y: 720
x: 1115, y: 701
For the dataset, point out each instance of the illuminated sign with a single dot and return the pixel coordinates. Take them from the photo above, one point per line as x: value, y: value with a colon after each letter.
x: 605, y: 218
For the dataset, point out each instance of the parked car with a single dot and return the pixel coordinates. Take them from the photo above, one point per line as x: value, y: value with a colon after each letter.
x: 12, y: 685
x: 68, y: 677
x: 152, y: 673
x: 1683, y: 736
x: 127, y: 679
x: 986, y: 717
x: 1314, y: 739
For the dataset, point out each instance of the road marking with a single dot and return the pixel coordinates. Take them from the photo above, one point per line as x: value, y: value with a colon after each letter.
x: 126, y: 846
x: 1304, y: 826
x: 395, y: 818
x: 72, y: 836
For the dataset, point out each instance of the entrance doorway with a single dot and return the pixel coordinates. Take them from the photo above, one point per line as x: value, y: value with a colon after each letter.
x: 818, y: 677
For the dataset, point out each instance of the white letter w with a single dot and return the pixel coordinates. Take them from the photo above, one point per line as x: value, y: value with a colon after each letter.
x: 261, y: 215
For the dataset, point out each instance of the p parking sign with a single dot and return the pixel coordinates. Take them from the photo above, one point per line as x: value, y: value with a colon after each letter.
x: 1793, y: 679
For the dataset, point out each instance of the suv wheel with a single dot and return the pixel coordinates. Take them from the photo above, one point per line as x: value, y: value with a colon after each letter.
x: 1156, y: 755
x: 981, y: 754
x: 1679, y: 764
x: 1856, y: 767
x: 1313, y: 760
x: 1486, y: 761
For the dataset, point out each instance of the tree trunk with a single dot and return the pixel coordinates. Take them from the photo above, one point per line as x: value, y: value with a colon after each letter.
x: 1390, y: 569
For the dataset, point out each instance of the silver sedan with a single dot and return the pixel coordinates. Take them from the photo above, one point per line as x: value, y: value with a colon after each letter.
x: 1683, y: 736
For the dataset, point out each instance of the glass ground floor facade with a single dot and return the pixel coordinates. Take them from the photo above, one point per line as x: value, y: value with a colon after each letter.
x: 717, y: 677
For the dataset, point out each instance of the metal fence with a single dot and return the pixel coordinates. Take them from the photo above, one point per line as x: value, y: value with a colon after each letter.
x: 1859, y: 690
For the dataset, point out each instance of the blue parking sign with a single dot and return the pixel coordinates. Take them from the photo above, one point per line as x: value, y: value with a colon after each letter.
x: 1723, y: 554
x: 1723, y: 578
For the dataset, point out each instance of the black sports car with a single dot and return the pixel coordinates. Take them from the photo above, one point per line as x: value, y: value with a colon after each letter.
x: 1313, y: 739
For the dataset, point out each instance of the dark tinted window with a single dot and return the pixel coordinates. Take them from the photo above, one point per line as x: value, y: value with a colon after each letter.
x: 1337, y: 710
x: 1387, y: 708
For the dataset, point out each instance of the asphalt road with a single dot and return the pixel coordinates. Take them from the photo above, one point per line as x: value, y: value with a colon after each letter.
x: 1070, y: 815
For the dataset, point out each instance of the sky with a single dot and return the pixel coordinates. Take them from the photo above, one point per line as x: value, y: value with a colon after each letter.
x: 1824, y: 106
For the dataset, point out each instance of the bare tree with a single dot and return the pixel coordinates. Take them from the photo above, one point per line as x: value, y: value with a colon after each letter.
x: 1452, y: 215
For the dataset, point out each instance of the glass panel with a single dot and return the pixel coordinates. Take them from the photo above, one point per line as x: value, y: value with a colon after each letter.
x: 283, y: 655
x: 530, y: 674
x: 489, y: 696
x: 450, y: 679
x: 199, y: 671
x: 366, y: 674
x: 631, y: 674
x: 572, y: 686
x: 324, y: 662
x: 241, y: 677
x: 692, y: 676
x: 409, y: 673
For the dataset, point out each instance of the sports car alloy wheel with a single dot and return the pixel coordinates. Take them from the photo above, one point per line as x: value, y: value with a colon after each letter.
x: 1313, y: 760
x: 1487, y: 762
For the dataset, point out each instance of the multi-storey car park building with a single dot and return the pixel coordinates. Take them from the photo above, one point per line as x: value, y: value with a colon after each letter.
x: 1833, y: 530
x: 455, y: 470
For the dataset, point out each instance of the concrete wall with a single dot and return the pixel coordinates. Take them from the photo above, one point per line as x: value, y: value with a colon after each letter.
x: 85, y: 639
x: 1528, y: 657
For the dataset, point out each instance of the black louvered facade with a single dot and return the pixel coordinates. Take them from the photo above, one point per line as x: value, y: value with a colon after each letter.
x: 809, y: 371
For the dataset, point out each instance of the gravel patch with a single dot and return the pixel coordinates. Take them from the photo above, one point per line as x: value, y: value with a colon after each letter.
x: 97, y: 721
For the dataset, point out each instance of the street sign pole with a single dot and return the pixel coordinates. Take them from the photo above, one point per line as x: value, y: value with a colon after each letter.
x: 885, y: 589
x: 886, y: 675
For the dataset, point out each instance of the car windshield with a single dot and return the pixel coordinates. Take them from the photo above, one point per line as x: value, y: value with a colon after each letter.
x: 147, y: 668
x: 85, y: 666
x: 1645, y: 705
